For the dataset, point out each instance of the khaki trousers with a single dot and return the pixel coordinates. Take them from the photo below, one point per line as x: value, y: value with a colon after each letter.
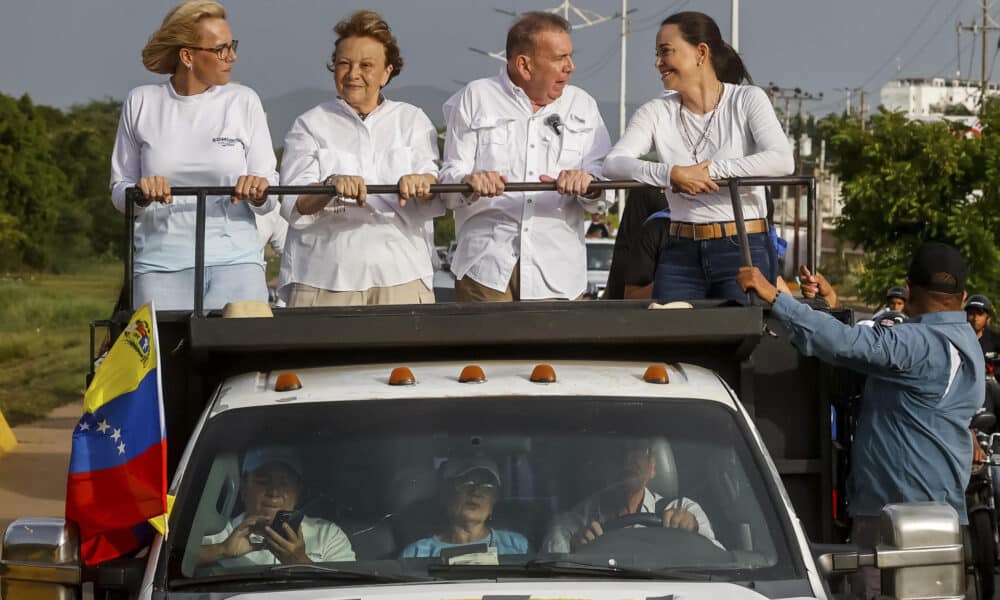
x: 413, y: 292
x: 469, y: 290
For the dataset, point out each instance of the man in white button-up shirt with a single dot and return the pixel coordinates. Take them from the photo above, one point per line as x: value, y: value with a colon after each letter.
x: 526, y: 124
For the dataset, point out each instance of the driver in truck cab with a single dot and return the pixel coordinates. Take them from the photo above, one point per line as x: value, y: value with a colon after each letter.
x: 272, y: 482
x: 628, y: 467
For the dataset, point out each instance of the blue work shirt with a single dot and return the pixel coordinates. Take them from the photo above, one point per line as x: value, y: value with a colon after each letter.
x: 506, y: 542
x: 926, y: 379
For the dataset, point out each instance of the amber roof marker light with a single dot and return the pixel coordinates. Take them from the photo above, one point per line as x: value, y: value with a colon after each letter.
x: 656, y: 374
x: 543, y: 373
x: 287, y: 382
x: 472, y: 374
x: 402, y: 376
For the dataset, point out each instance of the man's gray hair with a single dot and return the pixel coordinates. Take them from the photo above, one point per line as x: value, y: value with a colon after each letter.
x: 520, y: 37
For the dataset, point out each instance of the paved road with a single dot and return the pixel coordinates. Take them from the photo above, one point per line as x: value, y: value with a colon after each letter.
x: 33, y: 475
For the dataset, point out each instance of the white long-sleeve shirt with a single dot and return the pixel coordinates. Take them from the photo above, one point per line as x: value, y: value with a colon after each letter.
x: 209, y: 139
x: 491, y: 127
x: 744, y: 140
x: 351, y: 248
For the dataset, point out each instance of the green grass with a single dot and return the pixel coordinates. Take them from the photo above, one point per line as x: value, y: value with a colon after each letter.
x: 44, y: 337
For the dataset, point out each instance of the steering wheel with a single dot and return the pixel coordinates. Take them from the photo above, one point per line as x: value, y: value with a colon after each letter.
x: 644, y: 519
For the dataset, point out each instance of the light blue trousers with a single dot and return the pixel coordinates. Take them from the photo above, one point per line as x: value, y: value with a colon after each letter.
x: 174, y: 290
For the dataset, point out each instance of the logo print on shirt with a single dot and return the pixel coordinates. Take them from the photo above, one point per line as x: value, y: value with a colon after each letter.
x: 228, y: 142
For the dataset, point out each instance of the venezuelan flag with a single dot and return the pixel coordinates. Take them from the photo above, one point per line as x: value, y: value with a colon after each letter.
x: 117, y: 482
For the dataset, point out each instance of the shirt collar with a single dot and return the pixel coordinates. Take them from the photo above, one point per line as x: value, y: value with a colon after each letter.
x: 941, y: 317
x: 348, y: 109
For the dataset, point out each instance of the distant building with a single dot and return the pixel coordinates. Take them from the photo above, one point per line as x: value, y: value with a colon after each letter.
x: 925, y: 97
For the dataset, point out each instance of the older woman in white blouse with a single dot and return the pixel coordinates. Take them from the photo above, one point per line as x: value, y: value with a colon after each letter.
x: 709, y: 127
x: 378, y: 250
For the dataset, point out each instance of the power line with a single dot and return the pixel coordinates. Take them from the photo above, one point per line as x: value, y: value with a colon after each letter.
x: 906, y: 41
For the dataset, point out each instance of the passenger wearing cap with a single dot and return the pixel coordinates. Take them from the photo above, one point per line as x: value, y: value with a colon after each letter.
x: 272, y: 482
x: 469, y: 491
x: 978, y: 311
x: 926, y: 381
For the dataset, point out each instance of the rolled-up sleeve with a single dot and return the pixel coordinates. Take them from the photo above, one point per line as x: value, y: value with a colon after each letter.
x: 460, y: 144
x: 299, y: 166
x: 888, y: 352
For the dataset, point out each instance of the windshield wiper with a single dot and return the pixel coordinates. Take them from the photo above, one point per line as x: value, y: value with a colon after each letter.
x: 566, y: 567
x: 285, y: 573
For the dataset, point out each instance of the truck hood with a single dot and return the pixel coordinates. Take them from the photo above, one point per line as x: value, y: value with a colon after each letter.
x: 540, y: 590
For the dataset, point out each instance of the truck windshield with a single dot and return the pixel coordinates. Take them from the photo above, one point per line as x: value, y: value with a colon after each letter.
x: 445, y: 488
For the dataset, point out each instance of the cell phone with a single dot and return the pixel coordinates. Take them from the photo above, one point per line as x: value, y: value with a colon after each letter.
x: 292, y: 517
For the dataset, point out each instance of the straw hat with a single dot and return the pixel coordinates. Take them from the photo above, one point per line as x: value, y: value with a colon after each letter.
x: 247, y: 309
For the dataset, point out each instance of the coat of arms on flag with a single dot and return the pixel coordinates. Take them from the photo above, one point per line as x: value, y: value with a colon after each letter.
x: 116, y: 492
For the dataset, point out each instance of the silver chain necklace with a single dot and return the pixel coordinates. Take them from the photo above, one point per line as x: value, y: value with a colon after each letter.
x: 695, y: 148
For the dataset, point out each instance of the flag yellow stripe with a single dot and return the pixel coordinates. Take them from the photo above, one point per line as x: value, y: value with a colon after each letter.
x: 133, y: 356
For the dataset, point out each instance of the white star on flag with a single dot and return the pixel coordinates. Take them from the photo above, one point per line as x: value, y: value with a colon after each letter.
x: 121, y: 448
x: 103, y: 426
x: 116, y: 435
x: 85, y: 426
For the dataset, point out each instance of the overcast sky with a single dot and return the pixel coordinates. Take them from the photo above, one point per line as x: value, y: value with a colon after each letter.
x: 69, y: 51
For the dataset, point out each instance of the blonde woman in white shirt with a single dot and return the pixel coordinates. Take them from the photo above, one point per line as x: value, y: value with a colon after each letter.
x: 375, y: 252
x: 195, y: 129
x: 708, y: 126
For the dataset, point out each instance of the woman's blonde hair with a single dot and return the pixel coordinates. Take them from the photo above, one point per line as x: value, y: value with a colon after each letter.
x: 368, y: 23
x: 179, y: 30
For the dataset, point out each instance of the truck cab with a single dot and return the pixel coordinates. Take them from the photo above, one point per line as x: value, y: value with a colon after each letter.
x: 573, y: 406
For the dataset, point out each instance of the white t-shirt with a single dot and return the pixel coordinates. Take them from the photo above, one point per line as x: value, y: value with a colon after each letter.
x: 350, y: 248
x: 325, y: 542
x: 568, y: 524
x: 208, y: 139
x: 743, y: 140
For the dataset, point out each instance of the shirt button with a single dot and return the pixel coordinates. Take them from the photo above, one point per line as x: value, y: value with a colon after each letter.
x: 531, y: 172
x: 531, y: 146
x: 530, y: 200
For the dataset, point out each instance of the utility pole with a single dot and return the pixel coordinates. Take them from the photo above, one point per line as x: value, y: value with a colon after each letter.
x: 620, y: 194
x: 735, y: 36
x: 982, y: 29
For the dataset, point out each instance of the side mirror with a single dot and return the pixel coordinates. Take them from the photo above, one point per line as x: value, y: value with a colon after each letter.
x: 41, y: 560
x: 921, y: 555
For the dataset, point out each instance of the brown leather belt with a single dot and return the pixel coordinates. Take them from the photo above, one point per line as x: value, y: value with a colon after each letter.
x: 712, y: 231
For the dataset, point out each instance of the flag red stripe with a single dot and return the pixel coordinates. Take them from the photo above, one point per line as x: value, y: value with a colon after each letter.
x: 118, y: 498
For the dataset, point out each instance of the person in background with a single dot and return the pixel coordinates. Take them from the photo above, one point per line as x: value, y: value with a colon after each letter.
x: 978, y: 311
x: 375, y: 249
x: 710, y: 126
x: 926, y: 379
x: 525, y: 124
x: 194, y: 129
x: 895, y: 299
x: 640, y: 203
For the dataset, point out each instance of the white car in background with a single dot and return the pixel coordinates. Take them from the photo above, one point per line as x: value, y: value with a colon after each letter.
x: 599, y: 254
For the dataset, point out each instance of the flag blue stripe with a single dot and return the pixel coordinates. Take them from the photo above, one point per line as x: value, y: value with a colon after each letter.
x: 119, y: 430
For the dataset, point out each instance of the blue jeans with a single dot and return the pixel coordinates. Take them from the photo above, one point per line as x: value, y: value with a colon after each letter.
x: 698, y: 269
x: 174, y: 290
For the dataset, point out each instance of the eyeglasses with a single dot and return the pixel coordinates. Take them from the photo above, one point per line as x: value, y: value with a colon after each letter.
x: 476, y: 486
x: 222, y: 51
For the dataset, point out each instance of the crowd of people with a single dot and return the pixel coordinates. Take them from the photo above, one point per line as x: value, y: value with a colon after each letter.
x: 527, y: 123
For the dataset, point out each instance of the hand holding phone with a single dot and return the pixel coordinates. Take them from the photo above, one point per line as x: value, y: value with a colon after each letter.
x: 292, y: 517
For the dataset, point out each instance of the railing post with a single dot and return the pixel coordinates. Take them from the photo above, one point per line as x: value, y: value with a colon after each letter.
x: 129, y: 248
x: 199, y: 255
x: 741, y: 226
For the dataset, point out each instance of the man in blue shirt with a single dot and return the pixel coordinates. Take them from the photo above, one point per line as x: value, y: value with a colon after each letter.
x: 925, y: 382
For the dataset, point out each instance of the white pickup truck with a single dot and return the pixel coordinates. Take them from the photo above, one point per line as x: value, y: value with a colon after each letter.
x: 367, y: 412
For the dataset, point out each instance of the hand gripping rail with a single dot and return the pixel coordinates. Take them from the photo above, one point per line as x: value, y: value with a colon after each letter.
x: 133, y: 195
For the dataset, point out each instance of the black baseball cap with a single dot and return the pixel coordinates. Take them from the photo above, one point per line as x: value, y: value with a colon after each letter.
x: 979, y: 302
x: 938, y: 267
x: 897, y: 291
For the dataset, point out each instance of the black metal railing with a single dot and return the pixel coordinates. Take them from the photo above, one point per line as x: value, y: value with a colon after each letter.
x: 134, y: 195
